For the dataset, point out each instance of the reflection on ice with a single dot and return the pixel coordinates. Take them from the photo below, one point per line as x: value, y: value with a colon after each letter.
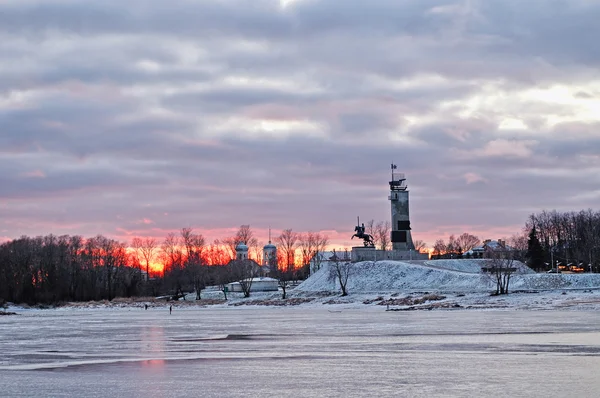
x: 152, y: 340
x: 153, y: 363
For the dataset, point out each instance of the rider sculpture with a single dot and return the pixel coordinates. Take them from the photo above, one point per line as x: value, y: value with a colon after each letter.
x: 360, y: 233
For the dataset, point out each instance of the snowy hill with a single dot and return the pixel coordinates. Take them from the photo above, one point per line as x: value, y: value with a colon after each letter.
x: 439, y: 275
x: 471, y: 265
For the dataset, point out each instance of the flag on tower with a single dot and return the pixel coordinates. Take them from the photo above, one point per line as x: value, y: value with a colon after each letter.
x: 394, y: 166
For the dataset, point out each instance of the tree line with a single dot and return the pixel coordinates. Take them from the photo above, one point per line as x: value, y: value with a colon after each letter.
x: 564, y: 237
x: 50, y: 269
x: 455, y: 246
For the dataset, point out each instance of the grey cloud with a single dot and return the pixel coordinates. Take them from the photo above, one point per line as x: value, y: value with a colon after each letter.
x: 142, y: 16
x: 118, y: 144
x: 562, y: 31
x: 226, y: 100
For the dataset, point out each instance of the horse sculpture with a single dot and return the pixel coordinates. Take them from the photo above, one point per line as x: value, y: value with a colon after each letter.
x: 360, y: 233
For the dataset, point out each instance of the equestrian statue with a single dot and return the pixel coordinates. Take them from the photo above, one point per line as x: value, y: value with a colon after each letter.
x: 360, y: 233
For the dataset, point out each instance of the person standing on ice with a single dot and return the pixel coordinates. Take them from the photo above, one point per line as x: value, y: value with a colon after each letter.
x: 170, y: 309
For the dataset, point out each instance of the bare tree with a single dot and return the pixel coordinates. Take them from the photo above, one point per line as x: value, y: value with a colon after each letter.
x: 439, y: 248
x: 467, y: 242
x: 341, y: 269
x: 287, y: 242
x: 284, y: 278
x: 111, y: 255
x: 518, y: 245
x: 452, y: 247
x: 217, y: 253
x: 321, y: 244
x: 244, y: 271
x: 420, y: 245
x: 312, y: 245
x: 74, y: 265
x: 500, y: 268
x: 306, y: 243
x: 173, y: 257
x: 223, y: 276
x: 193, y: 244
x: 194, y: 266
x: 229, y: 244
x: 370, y: 228
x: 245, y: 235
x: 145, y: 249
x: 382, y: 234
x: 255, y: 251
x: 172, y: 250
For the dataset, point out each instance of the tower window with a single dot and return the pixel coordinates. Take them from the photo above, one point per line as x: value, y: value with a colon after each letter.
x: 399, y: 236
x: 403, y: 225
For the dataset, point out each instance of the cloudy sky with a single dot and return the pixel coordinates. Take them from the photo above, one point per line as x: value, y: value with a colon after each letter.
x: 142, y: 117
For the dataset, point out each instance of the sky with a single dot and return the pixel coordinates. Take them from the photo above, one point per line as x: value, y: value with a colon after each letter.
x: 139, y: 118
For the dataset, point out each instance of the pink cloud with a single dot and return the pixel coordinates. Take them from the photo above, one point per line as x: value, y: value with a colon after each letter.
x: 472, y: 178
x: 508, y: 148
x: 33, y: 174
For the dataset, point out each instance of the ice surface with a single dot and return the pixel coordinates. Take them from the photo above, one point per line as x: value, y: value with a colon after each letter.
x: 330, y: 346
x: 333, y: 351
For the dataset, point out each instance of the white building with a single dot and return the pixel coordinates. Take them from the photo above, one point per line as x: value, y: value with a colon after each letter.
x: 259, y: 284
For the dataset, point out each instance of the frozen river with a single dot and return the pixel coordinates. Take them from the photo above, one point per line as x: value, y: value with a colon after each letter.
x: 299, y: 352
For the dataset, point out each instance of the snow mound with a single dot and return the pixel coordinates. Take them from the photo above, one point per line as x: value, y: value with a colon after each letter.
x: 472, y: 265
x: 556, y: 281
x: 382, y: 276
x: 438, y: 275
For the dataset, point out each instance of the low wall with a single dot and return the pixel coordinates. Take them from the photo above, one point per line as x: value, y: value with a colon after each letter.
x: 361, y: 253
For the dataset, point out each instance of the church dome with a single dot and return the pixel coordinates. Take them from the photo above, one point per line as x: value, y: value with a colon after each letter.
x: 241, y: 247
x: 269, y: 246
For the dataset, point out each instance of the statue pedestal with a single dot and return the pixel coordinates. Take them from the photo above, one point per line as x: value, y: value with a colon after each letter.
x: 363, y: 253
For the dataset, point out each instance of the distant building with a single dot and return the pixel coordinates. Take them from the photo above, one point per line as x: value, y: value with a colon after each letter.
x: 241, y: 259
x: 259, y: 284
x: 269, y: 264
x: 488, y: 246
x: 241, y: 251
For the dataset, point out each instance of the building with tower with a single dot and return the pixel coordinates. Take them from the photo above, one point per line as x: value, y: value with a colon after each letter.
x: 241, y: 251
x: 259, y: 283
x: 270, y: 257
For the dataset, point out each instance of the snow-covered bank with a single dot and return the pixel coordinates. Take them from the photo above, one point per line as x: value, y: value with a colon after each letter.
x: 407, y: 285
x: 417, y: 285
x: 442, y: 276
x: 560, y: 299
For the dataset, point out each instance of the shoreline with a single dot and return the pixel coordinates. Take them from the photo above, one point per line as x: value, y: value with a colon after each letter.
x: 558, y: 299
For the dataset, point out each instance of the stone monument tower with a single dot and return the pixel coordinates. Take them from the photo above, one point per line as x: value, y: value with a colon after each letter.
x: 400, y: 235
